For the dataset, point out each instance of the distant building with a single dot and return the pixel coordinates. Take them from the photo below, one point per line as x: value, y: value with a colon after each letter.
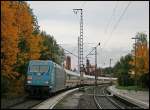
x: 68, y: 63
x: 92, y: 70
x: 99, y: 72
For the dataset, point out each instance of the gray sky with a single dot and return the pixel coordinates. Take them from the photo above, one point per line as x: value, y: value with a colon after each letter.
x: 58, y: 19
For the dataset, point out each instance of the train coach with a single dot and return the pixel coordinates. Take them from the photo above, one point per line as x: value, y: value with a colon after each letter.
x: 45, y: 77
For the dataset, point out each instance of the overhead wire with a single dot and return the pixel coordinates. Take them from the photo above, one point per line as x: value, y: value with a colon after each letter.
x: 121, y: 16
x: 111, y: 19
x: 117, y: 23
x: 113, y: 14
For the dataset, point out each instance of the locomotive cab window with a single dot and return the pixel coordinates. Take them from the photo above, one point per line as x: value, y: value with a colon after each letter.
x: 43, y: 68
x: 39, y: 68
x: 34, y: 68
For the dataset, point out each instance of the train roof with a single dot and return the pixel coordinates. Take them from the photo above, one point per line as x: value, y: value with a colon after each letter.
x: 87, y: 76
x: 45, y: 62
x: 42, y: 62
x: 72, y: 73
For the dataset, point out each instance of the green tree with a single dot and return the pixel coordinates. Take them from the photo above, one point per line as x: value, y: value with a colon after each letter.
x: 50, y: 49
x: 121, y: 70
x: 108, y: 70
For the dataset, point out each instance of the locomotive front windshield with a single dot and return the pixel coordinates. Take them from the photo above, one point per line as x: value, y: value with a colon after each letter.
x: 39, y: 68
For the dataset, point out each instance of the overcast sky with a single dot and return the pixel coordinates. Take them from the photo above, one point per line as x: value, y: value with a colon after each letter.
x: 100, y: 17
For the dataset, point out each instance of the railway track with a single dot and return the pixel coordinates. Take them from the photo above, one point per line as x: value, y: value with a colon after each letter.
x: 31, y: 101
x: 105, y: 101
x: 101, y: 100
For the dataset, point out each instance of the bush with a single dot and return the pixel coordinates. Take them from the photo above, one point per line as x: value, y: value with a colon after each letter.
x: 4, y: 85
x: 12, y: 87
x: 143, y: 80
x: 21, y: 69
x: 131, y: 81
x: 125, y: 80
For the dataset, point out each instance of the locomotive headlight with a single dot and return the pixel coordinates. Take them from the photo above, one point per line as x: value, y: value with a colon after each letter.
x: 28, y: 82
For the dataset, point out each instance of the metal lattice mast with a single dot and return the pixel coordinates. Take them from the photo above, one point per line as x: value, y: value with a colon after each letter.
x: 95, y: 66
x: 78, y: 54
x: 80, y: 45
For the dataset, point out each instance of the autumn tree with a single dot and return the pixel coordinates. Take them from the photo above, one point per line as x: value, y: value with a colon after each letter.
x: 9, y: 39
x: 141, y: 56
x: 29, y: 39
x: 21, y: 41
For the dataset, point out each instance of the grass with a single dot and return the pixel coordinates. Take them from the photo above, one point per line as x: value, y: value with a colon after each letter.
x: 136, y: 88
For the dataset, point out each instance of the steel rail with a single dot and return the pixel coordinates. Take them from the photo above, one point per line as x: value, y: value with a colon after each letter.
x: 113, y: 102
x: 96, y: 102
x: 107, y: 97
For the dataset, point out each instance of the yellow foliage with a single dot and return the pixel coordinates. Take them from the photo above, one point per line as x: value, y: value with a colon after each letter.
x: 17, y: 23
x: 9, y: 39
x: 142, y: 58
x: 35, y: 47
